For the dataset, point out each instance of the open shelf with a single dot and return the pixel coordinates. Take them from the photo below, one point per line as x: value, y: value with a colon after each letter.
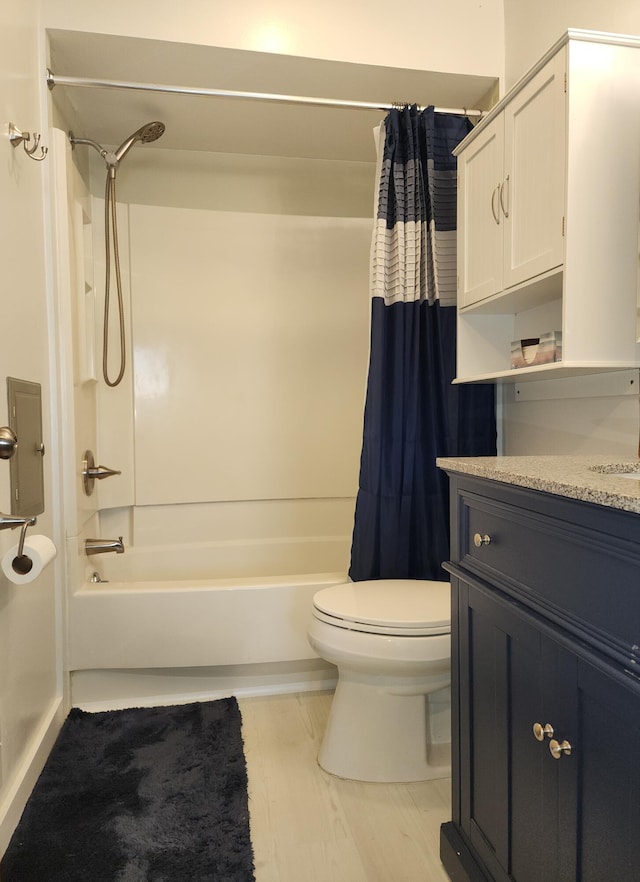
x: 545, y: 371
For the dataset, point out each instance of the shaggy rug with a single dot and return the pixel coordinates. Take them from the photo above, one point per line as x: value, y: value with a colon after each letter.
x: 141, y: 795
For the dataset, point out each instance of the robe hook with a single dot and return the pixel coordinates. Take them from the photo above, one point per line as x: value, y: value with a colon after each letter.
x: 17, y: 137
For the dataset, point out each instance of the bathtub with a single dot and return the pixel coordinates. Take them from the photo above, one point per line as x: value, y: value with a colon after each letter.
x: 198, y: 620
x: 169, y: 641
x: 193, y: 623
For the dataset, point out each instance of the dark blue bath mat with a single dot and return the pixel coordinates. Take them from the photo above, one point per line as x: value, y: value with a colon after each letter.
x: 141, y: 795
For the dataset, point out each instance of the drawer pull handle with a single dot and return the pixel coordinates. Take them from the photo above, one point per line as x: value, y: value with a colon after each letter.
x: 557, y: 749
x: 479, y: 540
x: 540, y: 731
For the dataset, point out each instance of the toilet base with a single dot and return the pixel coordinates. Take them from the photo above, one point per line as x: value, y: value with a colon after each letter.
x: 384, y: 731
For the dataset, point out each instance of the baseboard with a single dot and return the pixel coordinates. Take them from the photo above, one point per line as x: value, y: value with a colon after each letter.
x: 26, y: 775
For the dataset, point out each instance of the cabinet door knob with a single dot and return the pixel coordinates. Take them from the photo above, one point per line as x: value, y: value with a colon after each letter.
x: 556, y: 749
x: 540, y: 731
x: 479, y: 540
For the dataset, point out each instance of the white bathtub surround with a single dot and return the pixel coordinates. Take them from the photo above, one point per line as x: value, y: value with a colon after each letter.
x: 223, y: 559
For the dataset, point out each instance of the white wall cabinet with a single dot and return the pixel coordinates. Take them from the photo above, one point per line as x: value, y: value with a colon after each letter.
x: 512, y: 184
x: 548, y: 212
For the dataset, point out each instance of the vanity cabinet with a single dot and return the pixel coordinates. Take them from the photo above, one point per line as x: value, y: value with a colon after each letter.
x: 545, y: 689
x: 548, y: 213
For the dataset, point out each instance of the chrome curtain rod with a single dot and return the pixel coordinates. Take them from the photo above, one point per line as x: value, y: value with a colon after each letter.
x: 53, y: 80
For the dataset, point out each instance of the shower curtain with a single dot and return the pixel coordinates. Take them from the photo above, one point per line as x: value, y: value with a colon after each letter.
x: 412, y: 412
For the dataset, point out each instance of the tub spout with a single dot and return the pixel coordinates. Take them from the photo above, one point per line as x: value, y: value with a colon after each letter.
x: 102, y: 546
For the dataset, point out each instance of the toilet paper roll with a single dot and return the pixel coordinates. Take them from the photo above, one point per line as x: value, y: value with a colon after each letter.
x: 39, y: 549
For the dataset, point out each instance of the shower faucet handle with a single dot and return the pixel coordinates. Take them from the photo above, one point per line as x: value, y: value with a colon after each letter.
x: 100, y: 472
x: 92, y: 473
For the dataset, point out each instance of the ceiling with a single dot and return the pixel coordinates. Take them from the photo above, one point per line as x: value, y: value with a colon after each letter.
x: 231, y: 125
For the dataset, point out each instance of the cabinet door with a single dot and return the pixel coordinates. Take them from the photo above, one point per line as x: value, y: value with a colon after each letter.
x: 505, y: 809
x: 599, y: 782
x: 532, y: 194
x: 530, y: 815
x: 480, y: 220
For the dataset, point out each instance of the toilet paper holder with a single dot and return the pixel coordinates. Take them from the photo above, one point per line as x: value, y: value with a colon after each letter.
x: 21, y: 562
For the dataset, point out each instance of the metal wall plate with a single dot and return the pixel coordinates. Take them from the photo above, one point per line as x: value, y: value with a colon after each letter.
x: 26, y: 466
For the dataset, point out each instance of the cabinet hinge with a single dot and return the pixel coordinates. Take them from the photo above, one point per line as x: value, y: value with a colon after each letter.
x: 563, y: 226
x: 565, y: 82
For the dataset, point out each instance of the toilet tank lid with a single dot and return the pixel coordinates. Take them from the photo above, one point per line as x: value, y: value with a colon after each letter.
x: 406, y: 603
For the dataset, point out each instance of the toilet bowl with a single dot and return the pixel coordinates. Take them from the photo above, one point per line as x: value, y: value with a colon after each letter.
x: 390, y: 715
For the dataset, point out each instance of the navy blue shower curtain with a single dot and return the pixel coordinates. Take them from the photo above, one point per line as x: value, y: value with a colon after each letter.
x: 412, y: 412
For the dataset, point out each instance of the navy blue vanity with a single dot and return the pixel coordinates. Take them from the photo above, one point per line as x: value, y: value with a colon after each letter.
x: 545, y: 578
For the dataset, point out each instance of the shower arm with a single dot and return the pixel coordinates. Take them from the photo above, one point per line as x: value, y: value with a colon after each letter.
x: 109, y: 156
x: 101, y: 150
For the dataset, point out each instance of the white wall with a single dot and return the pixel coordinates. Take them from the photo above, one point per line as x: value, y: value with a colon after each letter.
x: 532, y: 28
x: 460, y: 36
x: 30, y: 685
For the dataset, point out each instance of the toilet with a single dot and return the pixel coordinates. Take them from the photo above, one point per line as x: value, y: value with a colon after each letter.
x: 391, y: 642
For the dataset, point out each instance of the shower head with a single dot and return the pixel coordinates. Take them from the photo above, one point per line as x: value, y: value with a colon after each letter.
x: 147, y: 133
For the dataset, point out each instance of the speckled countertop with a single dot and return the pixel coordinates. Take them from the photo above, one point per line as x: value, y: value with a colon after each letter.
x: 603, y: 480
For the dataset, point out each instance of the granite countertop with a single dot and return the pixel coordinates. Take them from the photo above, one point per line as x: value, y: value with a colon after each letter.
x: 601, y: 479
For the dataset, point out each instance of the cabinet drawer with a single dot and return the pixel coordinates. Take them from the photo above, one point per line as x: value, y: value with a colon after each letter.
x: 581, y: 576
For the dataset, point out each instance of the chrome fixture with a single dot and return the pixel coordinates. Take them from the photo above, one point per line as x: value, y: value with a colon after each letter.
x: 8, y: 442
x: 96, y: 577
x: 145, y: 134
x: 54, y: 80
x: 92, y: 473
x: 10, y: 522
x: 17, y: 137
x: 21, y: 563
x: 103, y: 546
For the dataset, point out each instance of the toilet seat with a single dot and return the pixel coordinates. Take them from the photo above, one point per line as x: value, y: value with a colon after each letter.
x: 395, y: 607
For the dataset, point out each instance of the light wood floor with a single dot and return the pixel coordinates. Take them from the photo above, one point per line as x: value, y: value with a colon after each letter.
x: 308, y: 826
